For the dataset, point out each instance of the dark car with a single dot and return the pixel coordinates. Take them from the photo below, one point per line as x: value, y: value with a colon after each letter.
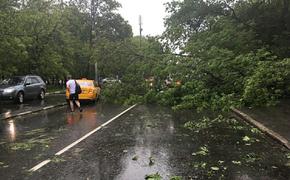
x: 18, y: 88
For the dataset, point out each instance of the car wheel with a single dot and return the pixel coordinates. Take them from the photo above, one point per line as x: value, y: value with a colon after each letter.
x: 20, y: 97
x: 41, y: 94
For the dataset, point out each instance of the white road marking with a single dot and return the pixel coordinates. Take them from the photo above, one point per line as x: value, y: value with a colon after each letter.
x: 47, y: 107
x: 24, y: 113
x: 92, y: 132
x: 77, y: 141
x: 43, y: 163
x: 40, y: 165
x: 9, y: 116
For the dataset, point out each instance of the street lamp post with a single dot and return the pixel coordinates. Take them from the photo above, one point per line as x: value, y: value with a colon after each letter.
x: 96, y: 72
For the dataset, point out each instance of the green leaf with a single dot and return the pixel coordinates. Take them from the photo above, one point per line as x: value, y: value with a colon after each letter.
x: 215, y: 168
x: 155, y: 176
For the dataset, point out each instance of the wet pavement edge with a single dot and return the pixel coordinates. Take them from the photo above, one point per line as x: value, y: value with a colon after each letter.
x: 276, y: 136
x: 31, y: 112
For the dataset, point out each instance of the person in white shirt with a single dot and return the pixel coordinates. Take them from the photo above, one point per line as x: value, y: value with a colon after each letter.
x: 73, y: 96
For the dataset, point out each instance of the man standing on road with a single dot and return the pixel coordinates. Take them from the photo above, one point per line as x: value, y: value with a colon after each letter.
x: 73, y: 96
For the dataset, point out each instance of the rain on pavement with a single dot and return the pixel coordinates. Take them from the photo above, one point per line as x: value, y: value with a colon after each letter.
x: 146, y: 140
x: 276, y: 118
x: 24, y: 141
x: 9, y: 107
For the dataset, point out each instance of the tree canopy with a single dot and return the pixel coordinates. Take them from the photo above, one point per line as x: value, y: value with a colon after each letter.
x: 213, y: 53
x: 237, y: 51
x: 55, y: 39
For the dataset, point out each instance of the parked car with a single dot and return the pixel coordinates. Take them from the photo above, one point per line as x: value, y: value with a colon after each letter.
x: 18, y: 88
x: 89, y: 90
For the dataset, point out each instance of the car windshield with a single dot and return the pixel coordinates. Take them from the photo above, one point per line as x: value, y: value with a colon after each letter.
x: 86, y: 84
x: 13, y: 81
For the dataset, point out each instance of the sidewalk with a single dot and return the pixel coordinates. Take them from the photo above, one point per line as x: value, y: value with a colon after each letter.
x: 275, y: 119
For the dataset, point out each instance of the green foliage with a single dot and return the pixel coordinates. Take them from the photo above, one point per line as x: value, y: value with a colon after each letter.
x: 231, y: 59
x: 169, y: 97
x: 114, y: 93
x: 134, y: 99
x: 269, y: 82
x: 150, y: 96
x: 176, y: 178
x: 196, y: 127
x: 232, y: 53
x: 214, y: 135
x: 202, y: 152
x: 133, y: 67
x: 155, y: 176
x: 53, y: 40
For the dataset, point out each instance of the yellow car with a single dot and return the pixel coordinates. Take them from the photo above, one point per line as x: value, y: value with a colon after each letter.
x: 89, y: 90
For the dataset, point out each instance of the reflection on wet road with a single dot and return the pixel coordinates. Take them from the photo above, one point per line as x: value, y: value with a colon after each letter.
x: 11, y: 131
x: 7, y: 108
x: 152, y: 140
x: 275, y: 118
x: 26, y: 141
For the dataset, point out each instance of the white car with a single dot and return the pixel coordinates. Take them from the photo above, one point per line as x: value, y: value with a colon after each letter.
x: 110, y: 80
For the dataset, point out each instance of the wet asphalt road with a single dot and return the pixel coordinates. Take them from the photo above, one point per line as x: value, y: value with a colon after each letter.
x: 25, y: 141
x: 146, y: 140
x: 276, y: 118
x: 10, y: 108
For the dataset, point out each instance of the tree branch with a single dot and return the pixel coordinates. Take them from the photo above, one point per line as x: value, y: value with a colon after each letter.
x: 234, y: 15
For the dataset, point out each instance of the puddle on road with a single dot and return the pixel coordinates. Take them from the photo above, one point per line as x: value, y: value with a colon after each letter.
x: 26, y: 141
x: 155, y: 142
x: 152, y: 141
x: 192, y: 147
x: 8, y: 108
x: 275, y: 118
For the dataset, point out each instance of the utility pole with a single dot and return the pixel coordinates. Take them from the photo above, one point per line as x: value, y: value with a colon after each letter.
x: 96, y: 73
x: 140, y: 29
x: 92, y: 68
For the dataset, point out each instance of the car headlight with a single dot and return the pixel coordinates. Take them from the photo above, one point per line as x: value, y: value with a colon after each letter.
x: 8, y: 90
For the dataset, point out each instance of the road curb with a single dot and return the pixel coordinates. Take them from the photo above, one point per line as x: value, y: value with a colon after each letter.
x: 55, y: 92
x: 34, y: 111
x: 274, y: 135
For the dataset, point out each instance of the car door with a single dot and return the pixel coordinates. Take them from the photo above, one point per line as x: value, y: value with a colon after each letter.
x: 35, y: 86
x: 28, y: 88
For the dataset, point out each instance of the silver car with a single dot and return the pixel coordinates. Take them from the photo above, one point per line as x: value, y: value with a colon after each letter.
x: 18, y: 88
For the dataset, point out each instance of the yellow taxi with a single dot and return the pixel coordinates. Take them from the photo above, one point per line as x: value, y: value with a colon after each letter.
x: 89, y: 90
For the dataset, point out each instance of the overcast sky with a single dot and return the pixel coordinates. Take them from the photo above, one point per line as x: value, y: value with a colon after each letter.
x: 152, y: 12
